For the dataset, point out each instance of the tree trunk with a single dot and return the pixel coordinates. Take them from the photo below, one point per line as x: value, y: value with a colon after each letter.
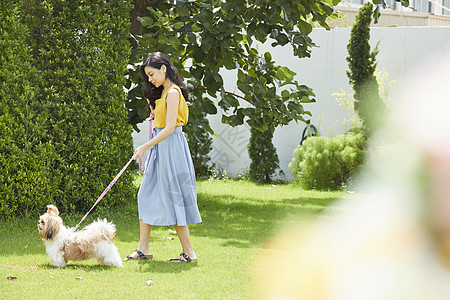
x: 139, y: 10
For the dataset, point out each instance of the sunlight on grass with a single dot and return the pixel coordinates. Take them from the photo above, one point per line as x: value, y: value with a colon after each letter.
x: 238, y: 217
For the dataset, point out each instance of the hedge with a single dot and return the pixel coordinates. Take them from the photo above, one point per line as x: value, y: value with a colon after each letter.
x: 263, y: 155
x: 63, y: 124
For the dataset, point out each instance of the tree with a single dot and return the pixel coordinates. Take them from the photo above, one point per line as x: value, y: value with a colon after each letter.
x: 210, y: 35
x: 205, y: 36
x: 362, y: 64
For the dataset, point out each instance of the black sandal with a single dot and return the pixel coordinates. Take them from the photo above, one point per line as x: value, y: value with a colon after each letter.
x: 183, y: 258
x: 139, y: 257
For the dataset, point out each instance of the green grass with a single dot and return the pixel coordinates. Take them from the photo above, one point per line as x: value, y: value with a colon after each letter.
x: 237, y: 218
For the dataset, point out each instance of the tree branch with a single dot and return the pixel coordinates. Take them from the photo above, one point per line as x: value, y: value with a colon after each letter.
x: 181, y: 61
x: 229, y: 93
x: 233, y: 94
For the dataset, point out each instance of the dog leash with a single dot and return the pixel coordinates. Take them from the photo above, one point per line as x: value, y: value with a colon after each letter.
x: 104, y: 192
x: 152, y: 115
x: 150, y: 119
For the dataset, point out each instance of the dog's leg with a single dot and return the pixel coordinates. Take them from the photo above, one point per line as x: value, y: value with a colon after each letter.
x: 58, y: 260
x: 108, y: 255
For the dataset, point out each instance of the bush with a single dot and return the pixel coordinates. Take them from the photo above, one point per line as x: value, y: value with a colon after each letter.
x: 64, y: 126
x: 200, y: 145
x: 263, y: 155
x: 328, y: 163
x: 24, y: 158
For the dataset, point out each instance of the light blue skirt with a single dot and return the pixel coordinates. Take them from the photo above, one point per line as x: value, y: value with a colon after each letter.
x: 168, y: 193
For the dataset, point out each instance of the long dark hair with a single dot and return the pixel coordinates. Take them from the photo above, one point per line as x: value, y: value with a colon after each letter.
x: 156, y: 60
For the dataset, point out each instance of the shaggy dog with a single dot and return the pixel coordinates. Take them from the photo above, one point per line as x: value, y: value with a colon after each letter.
x: 63, y: 244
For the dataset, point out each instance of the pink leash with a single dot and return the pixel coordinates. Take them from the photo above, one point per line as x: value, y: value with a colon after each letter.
x: 104, y: 192
x: 152, y: 115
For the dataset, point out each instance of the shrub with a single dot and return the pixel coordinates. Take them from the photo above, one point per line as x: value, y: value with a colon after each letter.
x: 200, y: 145
x: 24, y: 158
x: 327, y: 163
x: 64, y: 126
x: 263, y: 155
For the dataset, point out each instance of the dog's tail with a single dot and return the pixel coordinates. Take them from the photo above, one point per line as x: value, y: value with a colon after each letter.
x: 103, y: 227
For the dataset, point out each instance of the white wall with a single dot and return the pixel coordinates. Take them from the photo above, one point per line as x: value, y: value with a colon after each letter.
x: 325, y: 72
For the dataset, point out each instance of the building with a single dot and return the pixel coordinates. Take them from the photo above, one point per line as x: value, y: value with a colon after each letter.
x: 433, y: 13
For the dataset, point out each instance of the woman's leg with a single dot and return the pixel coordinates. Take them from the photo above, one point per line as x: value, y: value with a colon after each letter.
x: 185, y: 240
x: 144, y: 237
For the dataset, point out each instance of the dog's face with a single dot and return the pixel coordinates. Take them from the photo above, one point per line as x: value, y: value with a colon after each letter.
x: 49, y: 223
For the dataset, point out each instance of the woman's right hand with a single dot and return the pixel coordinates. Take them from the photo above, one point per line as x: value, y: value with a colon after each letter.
x: 139, y: 152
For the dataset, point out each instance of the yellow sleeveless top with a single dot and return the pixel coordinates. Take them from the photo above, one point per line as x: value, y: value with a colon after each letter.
x: 161, y: 110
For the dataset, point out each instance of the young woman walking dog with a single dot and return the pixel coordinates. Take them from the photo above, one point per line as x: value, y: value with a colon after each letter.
x: 167, y: 195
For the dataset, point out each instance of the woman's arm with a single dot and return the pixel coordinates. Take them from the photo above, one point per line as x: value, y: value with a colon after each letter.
x: 172, y: 102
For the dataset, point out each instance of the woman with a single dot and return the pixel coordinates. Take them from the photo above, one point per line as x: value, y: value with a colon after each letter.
x: 168, y: 194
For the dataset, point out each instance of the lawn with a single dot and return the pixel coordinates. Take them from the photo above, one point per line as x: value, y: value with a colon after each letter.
x: 238, y: 217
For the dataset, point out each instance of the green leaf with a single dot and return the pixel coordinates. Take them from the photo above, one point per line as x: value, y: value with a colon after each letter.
x: 261, y: 32
x: 209, y: 106
x: 333, y: 2
x: 178, y: 25
x: 251, y: 72
x: 182, y: 11
x: 145, y: 21
x: 195, y: 27
x: 231, y: 101
x: 292, y: 106
x: 248, y: 111
x: 235, y: 120
x: 191, y: 37
x: 174, y: 41
x: 206, y: 42
x: 306, y: 99
x: 197, y: 72
x: 241, y: 76
x: 184, y: 73
x: 282, y: 39
x: 211, y: 84
x: 304, y: 26
x: 229, y: 62
x: 218, y: 78
x: 284, y: 73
